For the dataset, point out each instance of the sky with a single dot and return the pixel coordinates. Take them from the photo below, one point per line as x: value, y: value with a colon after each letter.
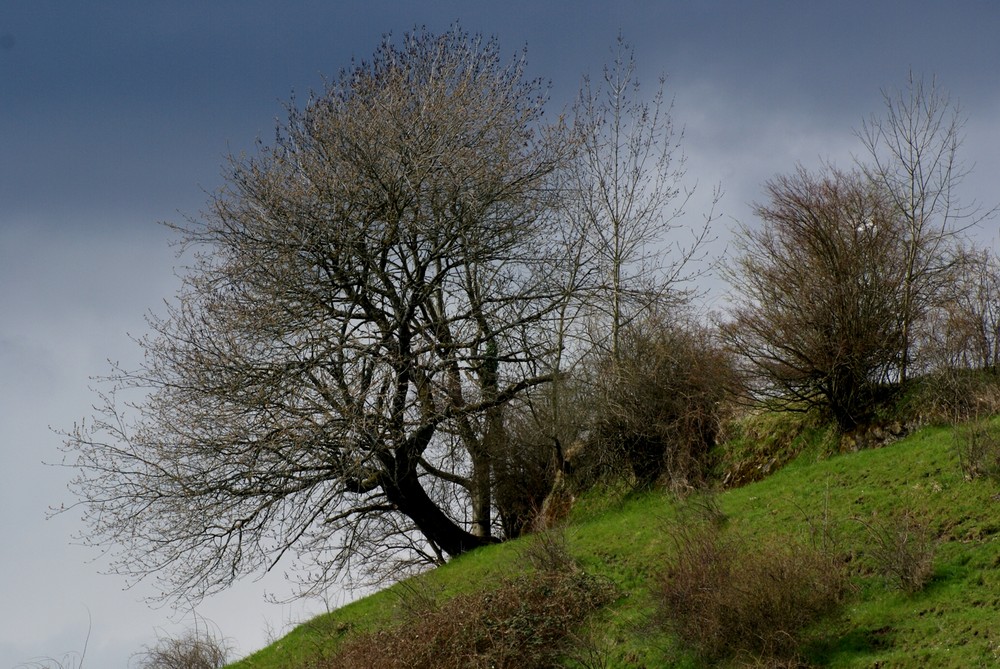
x: 116, y: 115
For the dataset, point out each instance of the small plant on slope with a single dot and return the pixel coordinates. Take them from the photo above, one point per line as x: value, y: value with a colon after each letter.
x: 729, y: 596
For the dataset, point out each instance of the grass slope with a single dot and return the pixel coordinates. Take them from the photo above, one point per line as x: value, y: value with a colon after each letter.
x: 952, y: 622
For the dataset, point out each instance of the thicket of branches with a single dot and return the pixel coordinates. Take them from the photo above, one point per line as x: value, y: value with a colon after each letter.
x: 658, y: 405
x: 818, y: 322
x: 200, y: 647
x: 855, y: 280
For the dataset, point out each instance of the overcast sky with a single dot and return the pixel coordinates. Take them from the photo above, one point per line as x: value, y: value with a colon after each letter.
x: 117, y: 115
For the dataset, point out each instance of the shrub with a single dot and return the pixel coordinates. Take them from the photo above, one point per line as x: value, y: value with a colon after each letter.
x: 542, y: 436
x: 525, y: 623
x: 701, y: 506
x: 902, y: 549
x: 197, y: 648
x: 816, y: 314
x: 978, y: 446
x: 952, y: 395
x: 523, y: 475
x: 657, y: 404
x: 727, y: 596
x: 548, y: 551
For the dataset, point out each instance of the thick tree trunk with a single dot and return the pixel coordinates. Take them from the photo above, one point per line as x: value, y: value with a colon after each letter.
x: 482, y: 490
x: 412, y: 500
x: 482, y: 450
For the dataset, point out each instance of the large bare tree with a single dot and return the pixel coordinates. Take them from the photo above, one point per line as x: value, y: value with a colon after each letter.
x: 628, y: 252
x: 630, y: 181
x: 913, y: 151
x: 366, y: 296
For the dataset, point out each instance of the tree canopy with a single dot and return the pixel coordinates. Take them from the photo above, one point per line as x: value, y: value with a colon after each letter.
x: 368, y: 293
x: 817, y: 319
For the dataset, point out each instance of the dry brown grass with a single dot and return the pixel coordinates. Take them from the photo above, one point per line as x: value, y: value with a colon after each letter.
x: 727, y: 596
x: 526, y: 622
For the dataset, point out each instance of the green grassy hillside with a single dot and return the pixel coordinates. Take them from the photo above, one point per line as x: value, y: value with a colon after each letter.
x: 853, y: 503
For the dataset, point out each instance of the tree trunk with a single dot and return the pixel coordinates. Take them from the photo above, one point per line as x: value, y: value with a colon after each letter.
x: 412, y: 500
x: 482, y: 489
x: 483, y: 450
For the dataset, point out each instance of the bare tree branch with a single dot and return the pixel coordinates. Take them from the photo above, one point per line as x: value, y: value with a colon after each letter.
x: 366, y: 296
x: 913, y: 147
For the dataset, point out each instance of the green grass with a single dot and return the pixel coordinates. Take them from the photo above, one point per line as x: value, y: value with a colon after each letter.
x: 952, y: 622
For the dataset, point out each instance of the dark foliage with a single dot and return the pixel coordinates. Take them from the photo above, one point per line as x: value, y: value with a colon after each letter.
x: 657, y: 406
